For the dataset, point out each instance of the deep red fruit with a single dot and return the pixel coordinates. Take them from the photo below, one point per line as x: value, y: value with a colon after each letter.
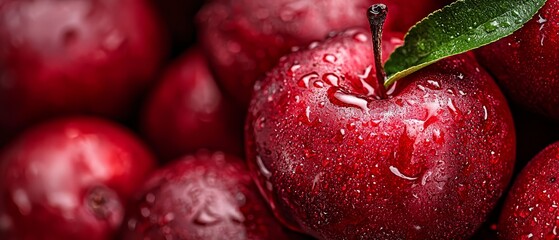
x: 531, y: 210
x: 83, y: 56
x: 335, y: 161
x: 405, y: 13
x: 69, y: 179
x: 526, y: 64
x: 245, y: 38
x: 204, y: 196
x: 187, y: 112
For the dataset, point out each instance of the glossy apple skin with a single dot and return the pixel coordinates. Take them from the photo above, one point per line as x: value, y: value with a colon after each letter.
x: 530, y: 210
x: 526, y: 64
x: 69, y: 179
x: 202, y: 196
x: 430, y: 162
x: 66, y: 57
x: 187, y: 111
x: 245, y: 38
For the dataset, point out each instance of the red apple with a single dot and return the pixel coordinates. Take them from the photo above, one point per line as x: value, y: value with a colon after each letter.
x: 204, y: 196
x: 245, y: 38
x: 531, y: 210
x: 337, y: 156
x: 69, y: 179
x: 187, y: 111
x: 526, y: 64
x: 82, y: 56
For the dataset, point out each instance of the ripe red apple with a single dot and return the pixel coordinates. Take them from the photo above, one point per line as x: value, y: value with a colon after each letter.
x: 83, y: 56
x: 526, y: 64
x: 69, y: 179
x: 336, y: 159
x: 203, y: 196
x: 187, y: 111
x: 531, y: 209
x: 245, y: 38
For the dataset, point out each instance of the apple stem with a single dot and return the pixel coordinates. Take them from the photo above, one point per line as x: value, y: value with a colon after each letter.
x: 377, y: 15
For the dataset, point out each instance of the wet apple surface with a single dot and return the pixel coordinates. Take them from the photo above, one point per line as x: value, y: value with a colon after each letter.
x: 526, y: 64
x: 202, y: 196
x: 531, y: 207
x: 69, y: 179
x: 335, y: 161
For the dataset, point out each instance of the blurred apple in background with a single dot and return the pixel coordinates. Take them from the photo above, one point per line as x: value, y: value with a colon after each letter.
x: 69, y: 179
x: 82, y: 56
x: 245, y: 38
x: 202, y: 196
x: 187, y: 111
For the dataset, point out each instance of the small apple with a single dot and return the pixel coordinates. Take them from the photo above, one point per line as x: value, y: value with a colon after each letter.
x: 187, y: 111
x: 245, y: 38
x: 69, y: 179
x: 526, y: 64
x: 82, y: 56
x: 531, y: 209
x: 203, y: 196
x: 340, y: 157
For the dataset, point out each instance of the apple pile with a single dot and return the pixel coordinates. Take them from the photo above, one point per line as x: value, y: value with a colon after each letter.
x: 274, y: 119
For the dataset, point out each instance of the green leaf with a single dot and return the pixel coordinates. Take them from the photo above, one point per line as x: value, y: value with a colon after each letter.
x: 460, y: 27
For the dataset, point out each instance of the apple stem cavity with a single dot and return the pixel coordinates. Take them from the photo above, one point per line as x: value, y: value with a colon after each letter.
x: 377, y: 16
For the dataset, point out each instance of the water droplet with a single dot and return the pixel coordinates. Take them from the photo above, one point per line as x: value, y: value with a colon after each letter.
x: 331, y: 79
x: 375, y: 123
x: 132, y: 224
x: 431, y: 114
x: 169, y: 217
x: 438, y: 136
x: 330, y: 58
x: 260, y: 123
x: 304, y: 81
x: 360, y: 37
x: 350, y: 100
x: 308, y: 114
x: 150, y: 198
x: 293, y: 69
x: 541, y: 19
x: 145, y: 212
x: 263, y: 170
x: 452, y: 108
x: 318, y: 84
x: 205, y: 218
x: 435, y: 85
x: 314, y: 45
x: 491, y: 27
x: 397, y: 172
x: 485, y: 113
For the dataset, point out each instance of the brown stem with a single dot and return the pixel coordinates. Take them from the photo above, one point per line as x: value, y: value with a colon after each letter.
x: 377, y: 15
